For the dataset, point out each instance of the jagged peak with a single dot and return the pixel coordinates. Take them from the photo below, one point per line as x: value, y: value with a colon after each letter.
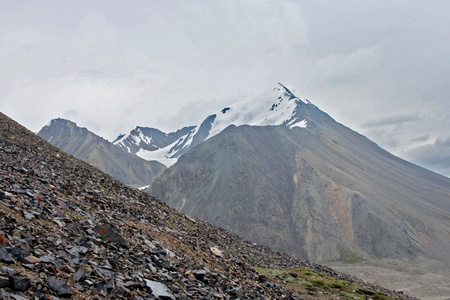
x: 273, y: 107
x: 289, y: 93
x: 286, y: 91
x: 141, y: 128
x: 120, y: 138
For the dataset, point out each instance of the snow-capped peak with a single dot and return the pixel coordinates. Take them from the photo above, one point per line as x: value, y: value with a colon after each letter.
x: 277, y: 107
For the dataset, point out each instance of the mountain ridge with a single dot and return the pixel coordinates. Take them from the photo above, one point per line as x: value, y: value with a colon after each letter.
x: 88, y: 146
x: 277, y: 107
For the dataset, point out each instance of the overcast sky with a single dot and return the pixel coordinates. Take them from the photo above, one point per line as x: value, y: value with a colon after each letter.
x: 379, y: 67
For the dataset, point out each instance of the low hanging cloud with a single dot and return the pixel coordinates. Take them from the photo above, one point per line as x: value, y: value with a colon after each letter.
x: 338, y: 68
x: 443, y: 142
x: 422, y: 138
x: 434, y: 156
x: 392, y: 120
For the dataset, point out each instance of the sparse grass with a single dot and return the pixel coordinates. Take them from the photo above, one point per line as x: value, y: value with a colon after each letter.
x: 337, y: 285
x: 381, y: 297
x: 101, y: 186
x: 319, y: 282
x: 305, y: 282
x: 349, y: 295
x: 306, y: 272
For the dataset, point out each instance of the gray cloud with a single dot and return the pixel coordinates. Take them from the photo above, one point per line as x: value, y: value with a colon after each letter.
x: 442, y: 142
x: 392, y: 120
x: 422, y: 138
x: 434, y: 156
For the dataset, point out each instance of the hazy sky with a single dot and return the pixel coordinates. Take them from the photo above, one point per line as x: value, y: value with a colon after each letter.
x: 379, y: 67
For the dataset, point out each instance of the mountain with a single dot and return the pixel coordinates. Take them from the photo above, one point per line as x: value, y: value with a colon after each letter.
x: 151, y: 143
x: 68, y: 230
x: 85, y: 145
x: 286, y: 174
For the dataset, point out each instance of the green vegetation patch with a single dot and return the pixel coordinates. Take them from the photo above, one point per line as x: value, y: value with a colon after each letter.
x: 308, y: 283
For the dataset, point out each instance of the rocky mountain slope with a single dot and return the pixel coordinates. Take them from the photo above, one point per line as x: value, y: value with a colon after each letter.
x: 319, y: 191
x: 67, y: 230
x: 85, y: 145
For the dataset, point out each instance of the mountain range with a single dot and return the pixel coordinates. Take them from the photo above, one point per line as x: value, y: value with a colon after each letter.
x: 151, y: 143
x: 95, y: 150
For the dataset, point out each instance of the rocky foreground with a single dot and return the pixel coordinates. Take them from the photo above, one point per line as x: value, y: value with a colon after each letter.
x: 68, y: 230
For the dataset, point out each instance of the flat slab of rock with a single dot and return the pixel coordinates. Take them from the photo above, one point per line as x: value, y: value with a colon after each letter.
x: 158, y: 289
x: 30, y: 259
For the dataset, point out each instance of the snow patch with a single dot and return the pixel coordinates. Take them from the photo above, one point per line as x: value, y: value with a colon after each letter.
x: 123, y: 138
x: 162, y: 154
x: 145, y: 138
x: 143, y: 187
x: 301, y: 124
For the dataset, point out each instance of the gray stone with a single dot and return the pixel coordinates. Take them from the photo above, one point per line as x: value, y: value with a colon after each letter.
x: 75, y: 227
x: 79, y: 274
x: 8, y: 271
x: 158, y: 289
x: 28, y: 215
x: 106, y: 274
x: 4, y: 282
x: 109, y: 233
x: 19, y: 284
x: 6, y: 295
x: 60, y: 287
x: 77, y: 250
x: 199, y: 274
x: 47, y: 259
x: 5, y: 256
x: 18, y: 253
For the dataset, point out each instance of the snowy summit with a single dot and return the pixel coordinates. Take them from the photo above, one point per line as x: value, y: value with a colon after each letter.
x: 278, y: 107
